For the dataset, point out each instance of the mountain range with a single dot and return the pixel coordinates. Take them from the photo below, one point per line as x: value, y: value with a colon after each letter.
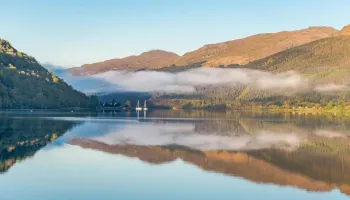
x: 240, y: 51
x: 316, y: 58
x: 319, y: 54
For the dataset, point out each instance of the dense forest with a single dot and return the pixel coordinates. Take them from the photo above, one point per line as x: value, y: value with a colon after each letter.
x: 24, y: 83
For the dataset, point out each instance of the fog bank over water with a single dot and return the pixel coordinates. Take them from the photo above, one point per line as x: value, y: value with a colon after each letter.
x: 187, y: 81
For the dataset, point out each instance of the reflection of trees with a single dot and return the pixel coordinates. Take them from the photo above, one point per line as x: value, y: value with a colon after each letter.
x: 21, y: 138
x: 306, y: 169
x: 190, y: 114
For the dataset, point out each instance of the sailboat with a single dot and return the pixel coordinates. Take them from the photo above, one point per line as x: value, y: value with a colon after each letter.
x: 138, y: 108
x: 145, y: 106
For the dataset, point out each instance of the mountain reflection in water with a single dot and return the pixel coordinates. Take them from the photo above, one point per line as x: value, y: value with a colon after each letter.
x: 309, y: 152
x: 305, y: 169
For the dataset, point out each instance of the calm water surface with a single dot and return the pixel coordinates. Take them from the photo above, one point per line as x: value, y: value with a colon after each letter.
x: 174, y: 155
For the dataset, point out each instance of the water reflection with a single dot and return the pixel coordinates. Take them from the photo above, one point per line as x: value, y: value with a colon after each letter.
x: 308, y: 152
x: 305, y: 169
x: 144, y: 114
x: 219, y: 133
x: 22, y: 138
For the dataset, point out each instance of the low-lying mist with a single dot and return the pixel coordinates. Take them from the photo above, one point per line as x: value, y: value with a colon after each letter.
x: 187, y: 81
x: 86, y: 84
x: 330, y: 88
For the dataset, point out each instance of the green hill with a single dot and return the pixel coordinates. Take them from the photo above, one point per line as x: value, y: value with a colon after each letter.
x: 24, y: 83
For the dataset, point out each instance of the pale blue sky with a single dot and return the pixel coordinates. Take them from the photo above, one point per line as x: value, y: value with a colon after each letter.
x: 74, y: 32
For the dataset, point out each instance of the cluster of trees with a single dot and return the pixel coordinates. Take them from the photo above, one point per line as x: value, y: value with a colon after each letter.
x: 223, y: 97
x: 24, y: 83
x: 115, y: 104
x: 124, y: 99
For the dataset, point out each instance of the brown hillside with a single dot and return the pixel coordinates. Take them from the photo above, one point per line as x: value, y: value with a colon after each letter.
x: 150, y: 59
x: 239, y: 51
x: 345, y: 30
x: 252, y: 48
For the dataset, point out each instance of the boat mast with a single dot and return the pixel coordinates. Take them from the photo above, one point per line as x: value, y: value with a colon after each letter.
x: 138, y: 106
x: 145, y: 106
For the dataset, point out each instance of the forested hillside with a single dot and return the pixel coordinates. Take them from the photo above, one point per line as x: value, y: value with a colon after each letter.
x: 24, y: 83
